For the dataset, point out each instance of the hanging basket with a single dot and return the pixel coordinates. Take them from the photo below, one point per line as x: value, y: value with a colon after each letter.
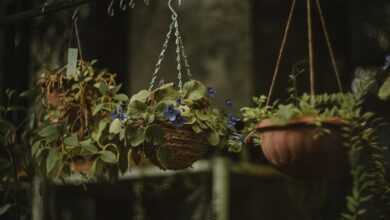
x: 302, y: 149
x: 180, y: 149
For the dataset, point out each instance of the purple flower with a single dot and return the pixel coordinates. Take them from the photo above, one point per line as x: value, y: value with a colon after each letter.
x: 119, y: 114
x: 211, y: 92
x: 179, y: 101
x: 170, y: 113
x: 228, y: 103
x: 387, y: 63
x: 232, y: 121
x: 174, y: 116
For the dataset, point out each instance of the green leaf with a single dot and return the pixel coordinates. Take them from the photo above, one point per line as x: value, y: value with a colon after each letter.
x: 137, y: 136
x: 194, y: 90
x: 384, y: 91
x: 49, y: 131
x: 97, y: 109
x: 121, y: 97
x: 155, y: 135
x: 72, y: 140
x: 165, y: 93
x: 141, y: 96
x: 136, y: 107
x: 108, y: 156
x: 35, y: 147
x: 115, y: 126
x: 98, y: 133
x: 52, y: 159
x: 89, y: 146
x: 102, y: 87
x: 213, y: 138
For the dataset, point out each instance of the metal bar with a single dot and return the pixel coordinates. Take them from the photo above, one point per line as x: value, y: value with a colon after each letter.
x: 221, y: 189
x: 42, y: 11
x: 38, y: 198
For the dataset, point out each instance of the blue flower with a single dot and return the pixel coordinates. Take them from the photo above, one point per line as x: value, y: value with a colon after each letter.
x: 174, y: 116
x: 119, y: 114
x: 232, y: 121
x: 211, y: 92
x: 228, y: 103
x: 179, y: 101
x: 171, y: 114
x: 387, y: 63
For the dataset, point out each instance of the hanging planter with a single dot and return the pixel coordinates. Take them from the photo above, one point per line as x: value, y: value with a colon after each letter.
x: 302, y: 140
x: 174, y: 126
x: 73, y: 114
x: 321, y: 136
x: 180, y: 148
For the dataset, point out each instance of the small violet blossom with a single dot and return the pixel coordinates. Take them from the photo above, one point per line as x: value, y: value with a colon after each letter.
x: 232, y: 121
x: 174, y: 116
x: 119, y: 114
x: 228, y: 103
x: 211, y: 92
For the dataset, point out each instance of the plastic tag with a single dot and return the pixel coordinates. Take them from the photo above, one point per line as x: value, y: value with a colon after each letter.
x: 71, y: 68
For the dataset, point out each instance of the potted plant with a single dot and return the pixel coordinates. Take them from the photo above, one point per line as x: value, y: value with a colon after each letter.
x: 322, y: 139
x: 302, y: 139
x: 175, y: 128
x: 73, y: 114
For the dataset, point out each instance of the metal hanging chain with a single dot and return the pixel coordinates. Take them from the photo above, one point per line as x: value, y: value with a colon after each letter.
x: 281, y: 51
x: 311, y: 50
x: 181, y: 56
x: 329, y: 44
x: 185, y: 58
x: 123, y: 5
x: 162, y: 56
x: 178, y: 53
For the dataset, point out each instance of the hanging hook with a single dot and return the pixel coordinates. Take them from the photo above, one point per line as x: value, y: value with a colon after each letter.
x: 44, y: 7
x: 123, y: 5
x: 172, y: 9
x: 75, y: 18
x: 110, y: 8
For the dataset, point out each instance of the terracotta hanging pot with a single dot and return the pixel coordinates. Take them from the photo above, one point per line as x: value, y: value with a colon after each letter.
x: 180, y: 149
x: 302, y: 149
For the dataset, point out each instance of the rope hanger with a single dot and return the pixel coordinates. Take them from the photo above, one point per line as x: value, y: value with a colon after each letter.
x: 310, y: 48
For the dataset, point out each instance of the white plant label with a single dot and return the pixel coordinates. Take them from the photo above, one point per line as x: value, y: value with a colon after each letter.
x: 71, y: 68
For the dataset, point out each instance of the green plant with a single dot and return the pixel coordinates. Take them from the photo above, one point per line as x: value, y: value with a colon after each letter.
x: 73, y: 114
x: 15, y: 161
x: 148, y: 112
x: 367, y: 163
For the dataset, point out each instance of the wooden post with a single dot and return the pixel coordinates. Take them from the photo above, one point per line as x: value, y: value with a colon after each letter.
x: 221, y: 189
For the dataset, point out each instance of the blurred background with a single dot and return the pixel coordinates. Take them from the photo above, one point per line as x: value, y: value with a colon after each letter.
x: 232, y: 46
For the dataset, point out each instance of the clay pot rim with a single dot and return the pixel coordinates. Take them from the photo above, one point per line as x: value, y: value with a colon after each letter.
x: 299, y: 122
